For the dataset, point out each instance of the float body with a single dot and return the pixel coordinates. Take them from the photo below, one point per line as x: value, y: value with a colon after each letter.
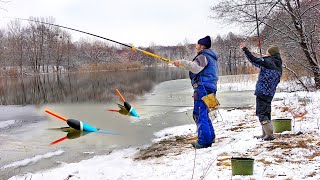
x: 81, y: 126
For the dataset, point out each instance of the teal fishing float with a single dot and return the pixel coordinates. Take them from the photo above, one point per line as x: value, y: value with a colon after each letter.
x: 83, y: 127
x: 126, y: 108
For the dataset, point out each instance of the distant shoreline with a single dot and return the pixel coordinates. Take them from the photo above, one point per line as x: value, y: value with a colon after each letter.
x: 14, y: 71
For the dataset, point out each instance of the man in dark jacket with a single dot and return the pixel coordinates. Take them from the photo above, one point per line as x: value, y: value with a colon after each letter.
x: 204, y: 76
x: 269, y: 77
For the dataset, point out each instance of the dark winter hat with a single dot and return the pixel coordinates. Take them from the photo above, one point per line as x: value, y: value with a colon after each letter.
x: 273, y: 50
x: 206, y: 41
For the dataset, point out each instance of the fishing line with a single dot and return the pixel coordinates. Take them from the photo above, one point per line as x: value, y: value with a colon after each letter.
x: 123, y: 44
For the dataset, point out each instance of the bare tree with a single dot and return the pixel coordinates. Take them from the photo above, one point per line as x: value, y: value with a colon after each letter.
x: 2, y: 47
x: 51, y: 35
x: 35, y: 45
x: 231, y: 59
x: 295, y: 21
x: 15, y: 43
x: 59, y: 50
x: 94, y: 51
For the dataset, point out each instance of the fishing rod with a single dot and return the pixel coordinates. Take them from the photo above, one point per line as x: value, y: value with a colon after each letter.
x: 258, y: 31
x: 259, y: 22
x: 185, y: 106
x: 126, y: 45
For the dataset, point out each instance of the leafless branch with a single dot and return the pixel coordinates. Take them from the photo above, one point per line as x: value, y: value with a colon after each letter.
x: 291, y: 30
x: 311, y: 7
x: 288, y: 9
x: 295, y: 74
x: 302, y: 64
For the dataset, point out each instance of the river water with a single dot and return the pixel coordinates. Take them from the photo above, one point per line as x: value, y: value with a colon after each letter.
x: 162, y: 98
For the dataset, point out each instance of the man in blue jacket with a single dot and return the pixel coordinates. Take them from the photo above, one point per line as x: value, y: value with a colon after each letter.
x: 204, y: 76
x: 269, y: 77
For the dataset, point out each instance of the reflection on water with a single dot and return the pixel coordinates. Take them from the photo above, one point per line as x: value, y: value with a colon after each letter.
x: 71, y: 134
x: 83, y: 87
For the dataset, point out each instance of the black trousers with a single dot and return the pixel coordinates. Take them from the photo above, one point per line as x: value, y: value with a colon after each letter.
x: 263, y: 107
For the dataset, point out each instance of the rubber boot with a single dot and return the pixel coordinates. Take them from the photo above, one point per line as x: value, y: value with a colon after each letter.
x: 261, y: 136
x: 267, y: 127
x: 196, y: 145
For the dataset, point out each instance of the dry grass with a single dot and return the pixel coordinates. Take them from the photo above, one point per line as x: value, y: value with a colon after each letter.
x: 245, y: 108
x: 224, y: 154
x: 236, y: 129
x: 239, y: 127
x: 285, y: 143
x: 298, y: 113
x: 312, y: 174
x: 263, y: 161
x: 224, y: 162
x: 172, y: 146
x: 316, y: 154
x: 10, y: 71
x: 291, y: 143
x: 271, y: 175
x: 283, y: 108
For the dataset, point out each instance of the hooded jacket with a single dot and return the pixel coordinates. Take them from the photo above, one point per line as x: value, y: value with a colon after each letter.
x: 270, y: 72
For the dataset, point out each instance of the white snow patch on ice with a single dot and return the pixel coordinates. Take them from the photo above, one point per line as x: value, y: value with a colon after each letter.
x: 4, y: 124
x: 33, y: 159
x: 184, y: 109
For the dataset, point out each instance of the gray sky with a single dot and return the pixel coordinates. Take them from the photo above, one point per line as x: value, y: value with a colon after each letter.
x: 140, y: 22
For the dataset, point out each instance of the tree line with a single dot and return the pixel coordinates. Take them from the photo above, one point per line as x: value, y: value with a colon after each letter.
x: 40, y: 48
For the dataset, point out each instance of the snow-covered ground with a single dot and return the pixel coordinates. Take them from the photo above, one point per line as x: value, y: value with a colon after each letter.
x: 293, y: 155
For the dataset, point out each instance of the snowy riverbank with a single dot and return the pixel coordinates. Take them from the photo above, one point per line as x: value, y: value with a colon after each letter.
x: 292, y: 155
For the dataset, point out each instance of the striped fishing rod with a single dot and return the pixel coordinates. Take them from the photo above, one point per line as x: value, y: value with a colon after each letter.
x: 126, y: 45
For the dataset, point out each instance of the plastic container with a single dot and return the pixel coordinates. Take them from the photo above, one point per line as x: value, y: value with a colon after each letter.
x: 242, y: 166
x: 280, y: 125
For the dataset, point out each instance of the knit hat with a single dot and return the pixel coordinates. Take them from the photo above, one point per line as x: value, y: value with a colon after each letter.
x: 206, y: 41
x: 273, y: 50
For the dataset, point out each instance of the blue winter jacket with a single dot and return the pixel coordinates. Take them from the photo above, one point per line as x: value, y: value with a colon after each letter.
x: 270, y: 72
x: 208, y: 77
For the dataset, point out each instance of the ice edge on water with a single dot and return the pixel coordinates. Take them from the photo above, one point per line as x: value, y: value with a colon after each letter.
x: 32, y: 160
x: 7, y: 123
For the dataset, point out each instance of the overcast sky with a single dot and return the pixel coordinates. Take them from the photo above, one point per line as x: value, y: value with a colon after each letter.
x: 140, y: 22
